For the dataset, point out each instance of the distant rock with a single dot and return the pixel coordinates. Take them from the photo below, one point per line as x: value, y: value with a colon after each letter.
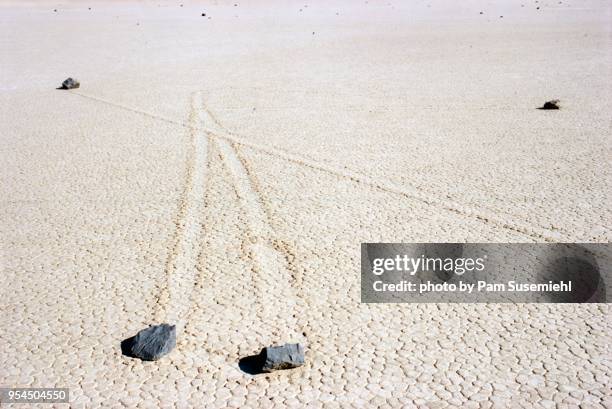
x: 70, y: 83
x: 152, y: 343
x: 552, y: 104
x: 282, y: 357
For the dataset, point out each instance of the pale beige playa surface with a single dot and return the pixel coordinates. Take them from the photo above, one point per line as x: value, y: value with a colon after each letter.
x: 221, y: 174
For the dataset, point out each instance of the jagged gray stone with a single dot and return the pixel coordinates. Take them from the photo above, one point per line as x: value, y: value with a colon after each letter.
x: 70, y: 83
x: 152, y: 343
x: 552, y: 104
x: 282, y: 357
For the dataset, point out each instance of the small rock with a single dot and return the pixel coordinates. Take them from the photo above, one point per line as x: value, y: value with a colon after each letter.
x: 152, y: 343
x: 70, y: 83
x: 203, y: 14
x: 282, y: 357
x: 552, y: 104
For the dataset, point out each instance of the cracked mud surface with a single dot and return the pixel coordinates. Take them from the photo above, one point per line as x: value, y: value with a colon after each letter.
x: 222, y: 179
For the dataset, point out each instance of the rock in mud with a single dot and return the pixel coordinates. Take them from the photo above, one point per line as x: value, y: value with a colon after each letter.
x: 152, y: 343
x: 552, y: 104
x: 70, y: 83
x: 282, y: 357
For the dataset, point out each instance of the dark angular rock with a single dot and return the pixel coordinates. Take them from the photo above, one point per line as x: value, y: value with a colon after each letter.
x: 152, y: 343
x: 70, y: 83
x: 553, y: 104
x: 282, y: 357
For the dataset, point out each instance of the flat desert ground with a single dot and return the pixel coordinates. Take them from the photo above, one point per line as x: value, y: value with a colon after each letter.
x: 220, y: 174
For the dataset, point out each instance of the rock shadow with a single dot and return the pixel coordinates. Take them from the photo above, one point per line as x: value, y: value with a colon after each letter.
x: 252, y: 364
x: 126, y: 347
